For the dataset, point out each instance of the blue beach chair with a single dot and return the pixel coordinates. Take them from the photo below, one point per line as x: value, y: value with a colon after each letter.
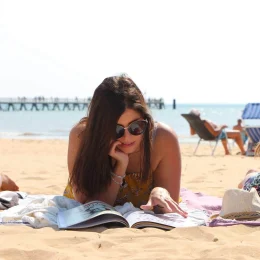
x: 252, y: 111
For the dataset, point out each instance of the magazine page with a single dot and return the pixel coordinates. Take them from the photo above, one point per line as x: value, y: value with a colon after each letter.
x: 140, y: 219
x: 85, y: 213
x: 107, y: 218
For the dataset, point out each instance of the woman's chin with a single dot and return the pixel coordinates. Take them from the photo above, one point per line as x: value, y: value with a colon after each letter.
x: 128, y: 149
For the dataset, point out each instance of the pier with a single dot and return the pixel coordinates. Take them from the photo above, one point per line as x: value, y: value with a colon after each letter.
x: 155, y: 103
x: 41, y: 104
x: 60, y: 104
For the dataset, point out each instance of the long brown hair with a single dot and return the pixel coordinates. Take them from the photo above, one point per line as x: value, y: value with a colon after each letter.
x: 91, y: 173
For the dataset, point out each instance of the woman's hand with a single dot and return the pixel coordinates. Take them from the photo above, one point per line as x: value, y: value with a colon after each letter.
x: 121, y: 158
x: 162, y: 202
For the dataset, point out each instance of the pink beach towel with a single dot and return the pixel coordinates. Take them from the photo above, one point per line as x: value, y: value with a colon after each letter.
x: 198, y: 200
x: 211, y: 205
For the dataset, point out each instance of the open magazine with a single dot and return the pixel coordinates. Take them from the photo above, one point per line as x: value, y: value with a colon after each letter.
x: 97, y: 213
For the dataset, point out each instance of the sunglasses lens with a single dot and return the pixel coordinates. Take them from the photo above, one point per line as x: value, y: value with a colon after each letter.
x: 137, y: 127
x: 119, y: 131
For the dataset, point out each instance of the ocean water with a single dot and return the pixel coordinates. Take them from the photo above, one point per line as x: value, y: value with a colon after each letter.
x: 57, y: 124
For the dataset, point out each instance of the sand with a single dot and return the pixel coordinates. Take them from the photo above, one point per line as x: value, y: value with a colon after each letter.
x: 39, y: 167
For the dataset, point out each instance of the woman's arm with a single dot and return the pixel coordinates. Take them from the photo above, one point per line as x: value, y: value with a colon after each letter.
x: 168, y: 172
x: 164, y: 197
x: 74, y: 144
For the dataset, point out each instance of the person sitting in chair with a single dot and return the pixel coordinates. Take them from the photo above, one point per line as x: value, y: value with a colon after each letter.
x: 240, y: 128
x: 217, y: 130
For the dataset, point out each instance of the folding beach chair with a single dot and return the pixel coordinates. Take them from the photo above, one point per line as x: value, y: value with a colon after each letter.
x: 252, y: 111
x: 202, y: 131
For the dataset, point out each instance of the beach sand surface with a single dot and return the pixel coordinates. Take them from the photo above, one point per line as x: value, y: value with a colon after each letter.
x: 40, y: 167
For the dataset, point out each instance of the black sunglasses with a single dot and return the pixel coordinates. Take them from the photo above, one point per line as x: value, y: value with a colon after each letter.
x: 135, y: 128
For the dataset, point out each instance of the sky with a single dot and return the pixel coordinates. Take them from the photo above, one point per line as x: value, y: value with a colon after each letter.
x: 191, y: 51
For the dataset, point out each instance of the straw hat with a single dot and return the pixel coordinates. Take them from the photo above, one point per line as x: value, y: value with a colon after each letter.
x: 240, y: 204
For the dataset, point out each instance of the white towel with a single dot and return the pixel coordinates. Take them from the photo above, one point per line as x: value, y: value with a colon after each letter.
x: 37, y: 210
x: 41, y: 210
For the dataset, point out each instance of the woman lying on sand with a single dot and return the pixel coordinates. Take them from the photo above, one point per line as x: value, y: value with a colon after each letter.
x: 118, y: 154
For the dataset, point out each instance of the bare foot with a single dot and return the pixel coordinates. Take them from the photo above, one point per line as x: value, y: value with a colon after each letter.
x: 8, y: 184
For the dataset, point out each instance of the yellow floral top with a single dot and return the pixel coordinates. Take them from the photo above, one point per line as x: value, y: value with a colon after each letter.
x: 132, y: 190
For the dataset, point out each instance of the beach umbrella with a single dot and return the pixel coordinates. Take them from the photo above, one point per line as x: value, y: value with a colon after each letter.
x: 251, y: 111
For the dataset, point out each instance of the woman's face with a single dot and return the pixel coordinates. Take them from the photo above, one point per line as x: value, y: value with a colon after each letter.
x: 129, y: 143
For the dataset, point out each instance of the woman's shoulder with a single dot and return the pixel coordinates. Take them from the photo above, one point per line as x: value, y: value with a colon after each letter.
x: 77, y: 130
x: 165, y: 144
x: 164, y: 132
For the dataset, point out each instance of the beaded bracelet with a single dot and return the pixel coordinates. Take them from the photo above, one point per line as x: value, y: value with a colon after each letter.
x: 118, y: 176
x: 119, y: 183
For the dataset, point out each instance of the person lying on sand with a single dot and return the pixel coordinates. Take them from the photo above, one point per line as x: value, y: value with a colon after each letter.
x: 118, y: 154
x: 251, y: 180
x: 216, y: 130
x: 252, y: 177
x: 7, y: 184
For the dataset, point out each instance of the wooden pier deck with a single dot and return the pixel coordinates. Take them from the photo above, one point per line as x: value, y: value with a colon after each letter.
x: 61, y: 104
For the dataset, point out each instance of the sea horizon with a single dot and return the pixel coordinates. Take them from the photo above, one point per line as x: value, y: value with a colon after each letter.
x: 57, y: 124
